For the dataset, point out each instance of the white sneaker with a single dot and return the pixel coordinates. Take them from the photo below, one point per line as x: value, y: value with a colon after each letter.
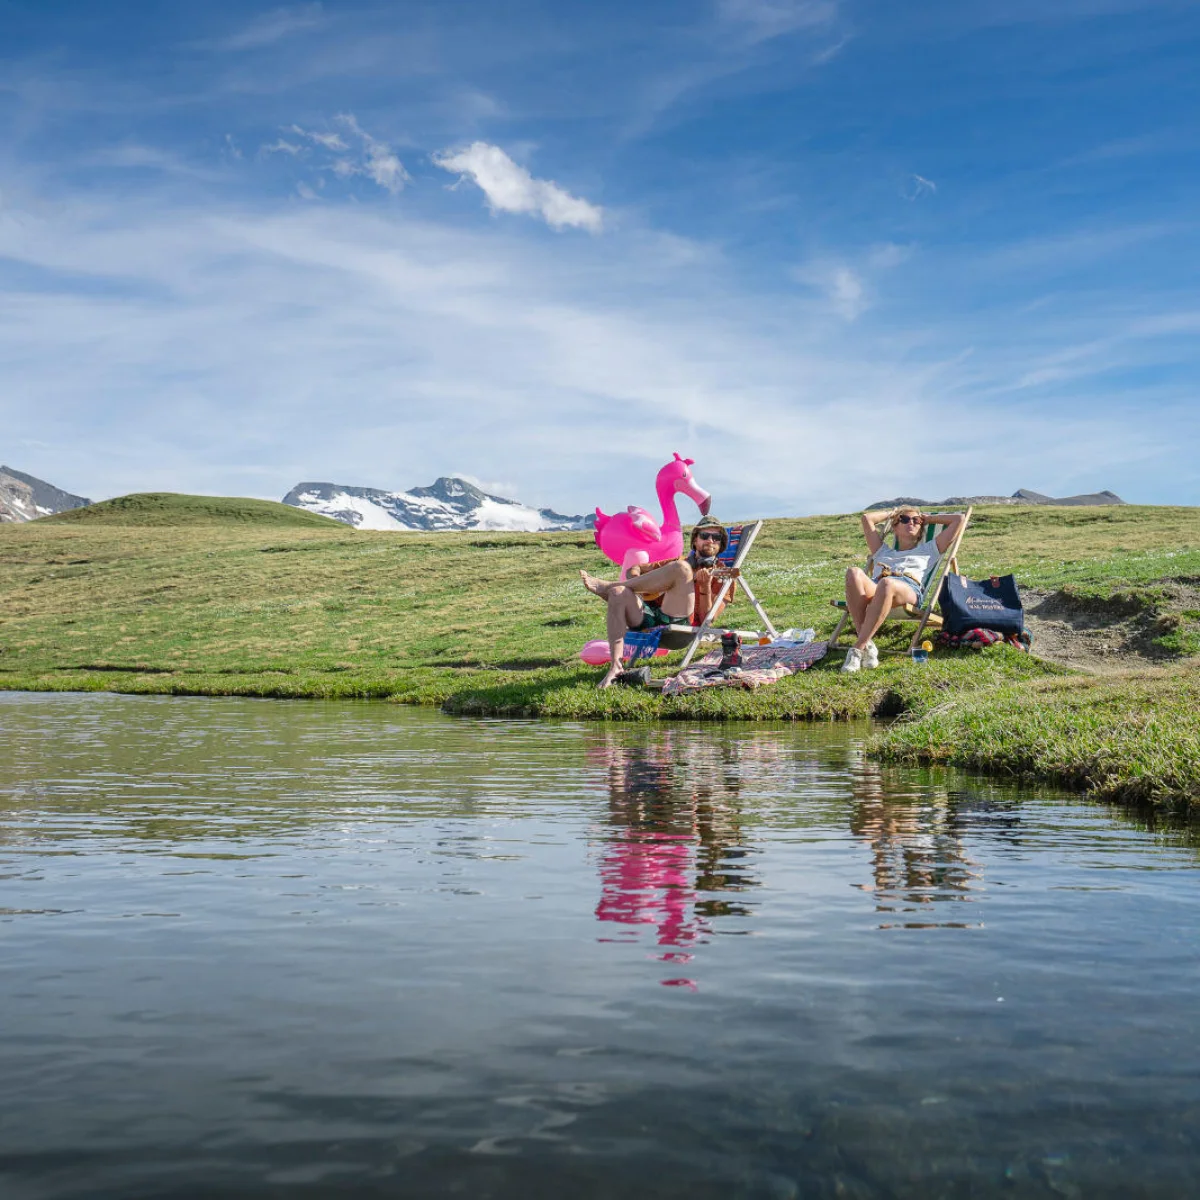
x: 871, y: 656
x: 854, y: 658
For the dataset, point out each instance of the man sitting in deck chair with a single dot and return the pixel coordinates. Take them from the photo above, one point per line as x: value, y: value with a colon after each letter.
x: 679, y: 592
x: 898, y: 576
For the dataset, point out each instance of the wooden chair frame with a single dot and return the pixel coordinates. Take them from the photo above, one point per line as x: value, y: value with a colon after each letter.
x: 676, y: 638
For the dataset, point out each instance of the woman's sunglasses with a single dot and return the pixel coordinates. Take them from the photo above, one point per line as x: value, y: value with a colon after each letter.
x: 908, y: 520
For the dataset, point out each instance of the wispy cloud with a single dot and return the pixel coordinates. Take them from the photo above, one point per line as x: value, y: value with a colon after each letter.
x: 271, y: 27
x: 761, y: 20
x: 250, y: 349
x: 916, y: 186
x: 279, y: 146
x: 331, y: 141
x: 364, y: 155
x: 849, y: 288
x: 509, y: 187
x: 377, y: 161
x: 844, y: 288
x: 137, y: 156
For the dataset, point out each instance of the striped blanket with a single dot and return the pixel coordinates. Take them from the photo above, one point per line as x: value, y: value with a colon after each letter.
x: 761, y: 665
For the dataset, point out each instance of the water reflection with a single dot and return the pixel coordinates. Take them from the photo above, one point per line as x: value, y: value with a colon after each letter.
x: 918, y: 855
x: 425, y: 956
x: 675, y: 855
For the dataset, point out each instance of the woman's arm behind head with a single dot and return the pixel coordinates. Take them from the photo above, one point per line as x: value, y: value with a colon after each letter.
x: 870, y: 519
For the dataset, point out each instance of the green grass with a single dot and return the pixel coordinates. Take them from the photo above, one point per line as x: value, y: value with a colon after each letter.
x: 200, y: 595
x: 172, y: 508
x: 821, y: 693
x: 1131, y: 737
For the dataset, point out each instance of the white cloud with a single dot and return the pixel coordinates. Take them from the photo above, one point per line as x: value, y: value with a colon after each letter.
x: 134, y: 155
x: 886, y: 255
x: 271, y: 27
x: 331, y: 141
x: 225, y: 349
x: 378, y: 162
x: 511, y: 188
x: 842, y: 286
x: 918, y: 185
x: 367, y: 157
x: 765, y: 19
x: 282, y: 147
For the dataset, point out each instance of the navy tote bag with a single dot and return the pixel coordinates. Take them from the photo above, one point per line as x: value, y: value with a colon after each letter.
x: 993, y: 603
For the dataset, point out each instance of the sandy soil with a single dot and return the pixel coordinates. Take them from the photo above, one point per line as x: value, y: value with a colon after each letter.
x: 1099, y: 637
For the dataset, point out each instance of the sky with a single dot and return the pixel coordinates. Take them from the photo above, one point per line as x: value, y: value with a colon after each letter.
x: 833, y: 250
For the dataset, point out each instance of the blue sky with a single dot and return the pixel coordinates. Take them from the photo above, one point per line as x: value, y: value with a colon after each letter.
x: 834, y: 250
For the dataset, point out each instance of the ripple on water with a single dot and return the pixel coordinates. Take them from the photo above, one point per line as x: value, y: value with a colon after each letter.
x: 287, y: 948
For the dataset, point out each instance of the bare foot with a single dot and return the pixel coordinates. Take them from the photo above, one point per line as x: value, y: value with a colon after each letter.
x: 596, y: 586
x: 611, y: 674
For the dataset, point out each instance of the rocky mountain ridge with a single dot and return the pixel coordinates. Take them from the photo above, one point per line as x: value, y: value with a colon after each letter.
x: 449, y: 503
x: 1020, y: 496
x: 25, y: 497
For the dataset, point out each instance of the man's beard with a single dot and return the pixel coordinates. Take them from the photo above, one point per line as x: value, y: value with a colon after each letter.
x: 699, y: 560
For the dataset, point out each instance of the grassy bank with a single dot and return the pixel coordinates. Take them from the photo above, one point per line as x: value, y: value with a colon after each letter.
x: 1132, y: 737
x: 197, y: 595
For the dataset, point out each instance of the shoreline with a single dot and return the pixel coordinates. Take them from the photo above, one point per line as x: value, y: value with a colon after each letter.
x: 185, y: 601
x: 1129, y: 737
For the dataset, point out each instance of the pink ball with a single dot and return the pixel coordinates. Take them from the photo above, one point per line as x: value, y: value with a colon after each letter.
x: 595, y: 653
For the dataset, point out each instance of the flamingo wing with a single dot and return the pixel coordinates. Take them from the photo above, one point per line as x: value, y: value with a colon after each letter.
x: 642, y: 525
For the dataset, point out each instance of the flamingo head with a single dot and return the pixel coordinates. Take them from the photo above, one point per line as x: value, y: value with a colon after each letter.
x: 677, y: 476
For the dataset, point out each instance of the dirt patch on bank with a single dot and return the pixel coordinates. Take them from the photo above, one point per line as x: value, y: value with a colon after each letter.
x: 1106, y: 634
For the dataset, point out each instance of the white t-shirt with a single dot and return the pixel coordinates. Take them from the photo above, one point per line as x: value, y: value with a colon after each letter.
x: 916, y: 564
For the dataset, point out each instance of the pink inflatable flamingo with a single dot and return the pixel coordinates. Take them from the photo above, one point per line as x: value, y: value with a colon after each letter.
x: 634, y: 537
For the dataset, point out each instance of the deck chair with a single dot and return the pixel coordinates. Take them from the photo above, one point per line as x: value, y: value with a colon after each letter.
x: 737, y: 550
x: 924, y: 616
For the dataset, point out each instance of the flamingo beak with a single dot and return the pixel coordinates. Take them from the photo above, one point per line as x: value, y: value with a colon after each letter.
x: 705, y: 504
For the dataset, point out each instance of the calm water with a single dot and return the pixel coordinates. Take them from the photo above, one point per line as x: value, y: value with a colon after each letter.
x: 294, y: 949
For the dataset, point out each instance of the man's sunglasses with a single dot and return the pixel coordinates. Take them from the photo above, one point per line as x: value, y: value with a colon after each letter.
x: 908, y: 520
x: 708, y: 537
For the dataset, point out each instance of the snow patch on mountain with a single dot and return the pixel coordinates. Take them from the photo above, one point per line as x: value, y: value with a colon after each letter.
x: 449, y: 503
x: 25, y: 497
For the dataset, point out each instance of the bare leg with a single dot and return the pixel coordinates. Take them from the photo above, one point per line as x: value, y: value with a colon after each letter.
x: 673, y: 582
x: 889, y: 593
x: 624, y: 613
x: 860, y: 588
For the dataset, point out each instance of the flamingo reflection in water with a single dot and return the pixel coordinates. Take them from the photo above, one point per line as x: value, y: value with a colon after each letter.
x: 675, y: 848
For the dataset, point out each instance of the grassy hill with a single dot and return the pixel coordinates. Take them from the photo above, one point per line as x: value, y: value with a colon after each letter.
x: 172, y: 508
x: 199, y: 595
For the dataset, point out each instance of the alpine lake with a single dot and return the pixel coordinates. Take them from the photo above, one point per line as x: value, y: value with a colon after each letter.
x: 292, y: 949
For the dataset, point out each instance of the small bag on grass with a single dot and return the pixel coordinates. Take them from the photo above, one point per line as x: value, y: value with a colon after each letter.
x: 993, y: 603
x: 635, y: 677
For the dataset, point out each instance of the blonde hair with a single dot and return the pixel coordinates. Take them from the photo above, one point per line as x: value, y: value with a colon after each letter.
x: 889, y: 525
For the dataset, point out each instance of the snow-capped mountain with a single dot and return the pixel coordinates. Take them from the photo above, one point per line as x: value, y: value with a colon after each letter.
x: 24, y: 498
x: 449, y: 504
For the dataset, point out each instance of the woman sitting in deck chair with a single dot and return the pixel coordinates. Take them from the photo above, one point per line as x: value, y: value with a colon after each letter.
x: 898, y: 576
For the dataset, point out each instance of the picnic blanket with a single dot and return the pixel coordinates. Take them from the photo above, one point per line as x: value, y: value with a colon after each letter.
x: 761, y: 665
